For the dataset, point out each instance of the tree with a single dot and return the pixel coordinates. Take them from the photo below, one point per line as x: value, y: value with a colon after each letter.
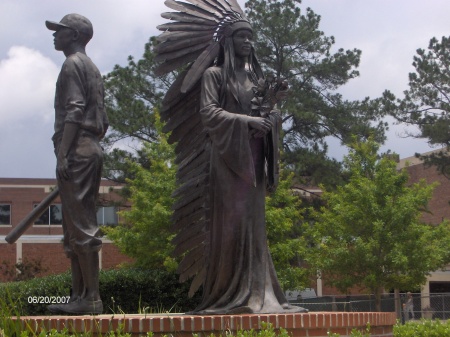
x: 132, y: 94
x: 369, y: 233
x: 290, y: 45
x: 284, y: 231
x: 145, y: 232
x: 426, y: 104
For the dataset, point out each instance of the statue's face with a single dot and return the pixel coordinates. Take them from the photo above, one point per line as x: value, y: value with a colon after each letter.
x: 63, y: 38
x: 242, y: 42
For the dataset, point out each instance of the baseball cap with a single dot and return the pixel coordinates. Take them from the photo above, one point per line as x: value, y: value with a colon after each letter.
x: 73, y: 21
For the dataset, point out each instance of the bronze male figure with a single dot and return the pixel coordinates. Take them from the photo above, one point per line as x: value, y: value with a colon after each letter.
x: 80, y: 123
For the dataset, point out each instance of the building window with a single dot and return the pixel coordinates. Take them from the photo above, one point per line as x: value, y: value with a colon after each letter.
x: 53, y: 216
x: 5, y: 214
x: 107, y: 216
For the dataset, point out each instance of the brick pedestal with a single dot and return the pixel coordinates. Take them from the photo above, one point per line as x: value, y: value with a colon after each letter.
x: 298, y: 325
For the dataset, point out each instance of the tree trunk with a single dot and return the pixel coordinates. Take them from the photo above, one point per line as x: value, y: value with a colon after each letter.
x: 378, y: 292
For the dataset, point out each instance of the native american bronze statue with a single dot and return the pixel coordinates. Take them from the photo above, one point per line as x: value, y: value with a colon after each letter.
x: 220, y: 113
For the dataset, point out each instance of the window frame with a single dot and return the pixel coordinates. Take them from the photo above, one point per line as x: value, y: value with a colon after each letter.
x: 10, y: 214
x: 49, y: 210
x: 116, y: 215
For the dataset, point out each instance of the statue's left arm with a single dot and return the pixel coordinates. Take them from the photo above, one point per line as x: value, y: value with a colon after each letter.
x: 273, y: 151
x: 74, y: 102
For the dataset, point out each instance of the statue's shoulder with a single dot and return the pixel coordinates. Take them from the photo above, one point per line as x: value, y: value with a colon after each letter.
x: 213, y: 72
x: 80, y: 62
x: 78, y: 59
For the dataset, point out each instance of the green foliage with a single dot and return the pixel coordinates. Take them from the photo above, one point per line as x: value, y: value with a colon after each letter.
x: 144, y: 291
x: 369, y: 233
x: 145, y: 232
x: 8, y: 327
x: 133, y: 93
x: 424, y: 328
x: 18, y: 295
x: 426, y: 103
x: 123, y: 291
x: 314, y: 166
x: 287, y: 246
x: 290, y: 44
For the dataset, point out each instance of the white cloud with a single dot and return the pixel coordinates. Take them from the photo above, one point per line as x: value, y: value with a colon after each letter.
x: 27, y: 86
x: 388, y: 33
x: 27, y: 89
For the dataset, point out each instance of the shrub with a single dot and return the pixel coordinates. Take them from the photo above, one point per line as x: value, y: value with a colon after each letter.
x: 423, y: 328
x: 28, y: 269
x: 122, y: 291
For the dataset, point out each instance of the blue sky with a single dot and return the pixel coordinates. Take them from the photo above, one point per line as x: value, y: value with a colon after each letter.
x: 387, y: 32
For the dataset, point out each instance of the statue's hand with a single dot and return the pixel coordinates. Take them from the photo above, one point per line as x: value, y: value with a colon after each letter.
x: 275, y: 114
x: 260, y: 124
x: 62, y: 167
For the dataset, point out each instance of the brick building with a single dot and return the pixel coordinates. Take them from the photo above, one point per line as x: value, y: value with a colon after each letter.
x: 42, y: 241
x: 439, y: 207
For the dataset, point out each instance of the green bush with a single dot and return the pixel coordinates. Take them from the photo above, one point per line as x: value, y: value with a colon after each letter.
x: 18, y: 295
x: 135, y: 290
x: 122, y: 291
x: 423, y: 328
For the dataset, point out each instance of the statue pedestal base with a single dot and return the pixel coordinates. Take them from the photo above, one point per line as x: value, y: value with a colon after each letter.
x: 298, y: 325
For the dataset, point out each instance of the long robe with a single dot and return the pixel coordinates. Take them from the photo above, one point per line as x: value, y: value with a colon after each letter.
x: 240, y: 274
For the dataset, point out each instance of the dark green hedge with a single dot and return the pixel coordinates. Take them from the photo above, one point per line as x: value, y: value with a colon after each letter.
x: 122, y: 290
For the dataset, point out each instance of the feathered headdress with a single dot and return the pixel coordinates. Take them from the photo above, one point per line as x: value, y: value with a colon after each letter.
x: 195, y: 35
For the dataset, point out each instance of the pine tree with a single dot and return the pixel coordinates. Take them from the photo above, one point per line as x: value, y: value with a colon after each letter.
x: 290, y: 45
x: 426, y: 104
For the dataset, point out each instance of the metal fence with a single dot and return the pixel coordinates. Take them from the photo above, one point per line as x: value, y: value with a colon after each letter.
x: 434, y: 306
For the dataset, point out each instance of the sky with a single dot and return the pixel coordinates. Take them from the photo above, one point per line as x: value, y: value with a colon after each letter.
x: 388, y: 33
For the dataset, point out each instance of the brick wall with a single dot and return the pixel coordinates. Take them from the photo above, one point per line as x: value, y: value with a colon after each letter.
x: 439, y: 204
x: 22, y: 194
x: 318, y: 324
x: 52, y: 257
x: 112, y: 257
x: 8, y: 256
x: 22, y: 203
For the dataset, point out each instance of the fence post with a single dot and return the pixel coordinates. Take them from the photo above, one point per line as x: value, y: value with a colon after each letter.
x: 398, y: 304
x: 333, y: 303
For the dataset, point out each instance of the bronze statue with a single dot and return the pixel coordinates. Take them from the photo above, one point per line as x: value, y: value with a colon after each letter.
x: 80, y: 123
x: 227, y: 154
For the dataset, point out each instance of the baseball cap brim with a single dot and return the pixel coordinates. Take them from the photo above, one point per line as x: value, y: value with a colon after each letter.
x: 52, y: 25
